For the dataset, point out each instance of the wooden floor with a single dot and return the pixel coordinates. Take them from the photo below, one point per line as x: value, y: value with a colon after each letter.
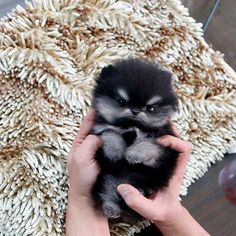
x: 223, y: 24
x: 207, y: 203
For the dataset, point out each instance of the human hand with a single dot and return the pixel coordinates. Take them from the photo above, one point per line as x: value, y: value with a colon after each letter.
x: 164, y: 206
x: 82, y: 167
x: 83, y: 170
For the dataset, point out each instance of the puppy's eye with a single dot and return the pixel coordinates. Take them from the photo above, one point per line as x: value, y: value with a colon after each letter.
x: 151, y: 108
x: 122, y: 102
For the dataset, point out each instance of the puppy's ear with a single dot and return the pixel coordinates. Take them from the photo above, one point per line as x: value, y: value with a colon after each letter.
x: 107, y: 72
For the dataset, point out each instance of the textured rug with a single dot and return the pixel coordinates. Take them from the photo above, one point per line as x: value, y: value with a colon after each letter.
x: 50, y: 54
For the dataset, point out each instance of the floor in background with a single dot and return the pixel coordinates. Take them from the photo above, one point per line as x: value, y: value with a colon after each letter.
x: 221, y: 32
x: 8, y: 5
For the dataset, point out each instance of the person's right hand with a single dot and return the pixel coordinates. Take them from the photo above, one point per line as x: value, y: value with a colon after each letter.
x: 83, y: 169
x: 164, y: 206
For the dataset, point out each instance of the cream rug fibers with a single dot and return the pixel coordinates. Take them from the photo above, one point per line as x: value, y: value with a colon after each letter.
x: 50, y: 54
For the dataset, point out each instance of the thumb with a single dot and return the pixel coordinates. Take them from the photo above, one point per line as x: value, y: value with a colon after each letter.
x: 135, y: 200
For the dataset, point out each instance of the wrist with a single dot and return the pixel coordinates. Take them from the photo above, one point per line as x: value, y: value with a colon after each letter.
x: 81, y: 214
x: 77, y: 197
x: 173, y: 224
x: 182, y: 225
x: 172, y: 219
x: 83, y: 205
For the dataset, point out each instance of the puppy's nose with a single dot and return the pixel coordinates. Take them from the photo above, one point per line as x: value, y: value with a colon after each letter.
x: 135, y: 111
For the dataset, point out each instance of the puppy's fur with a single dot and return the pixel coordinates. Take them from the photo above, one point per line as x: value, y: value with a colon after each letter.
x: 134, y: 101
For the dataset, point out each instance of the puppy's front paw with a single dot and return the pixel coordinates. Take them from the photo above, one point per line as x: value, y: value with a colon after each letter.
x: 111, y: 209
x: 144, y: 152
x: 113, y: 145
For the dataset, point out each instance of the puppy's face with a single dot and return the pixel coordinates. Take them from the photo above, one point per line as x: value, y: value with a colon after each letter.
x: 137, y: 97
x: 153, y: 114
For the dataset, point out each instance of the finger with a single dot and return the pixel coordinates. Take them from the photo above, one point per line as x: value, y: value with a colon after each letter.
x: 181, y: 166
x: 175, y: 143
x: 178, y: 175
x: 184, y: 148
x: 174, y: 129
x: 135, y: 200
x: 89, y: 147
x: 84, y: 128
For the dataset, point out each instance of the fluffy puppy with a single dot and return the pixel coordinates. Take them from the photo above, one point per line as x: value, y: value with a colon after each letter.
x: 134, y: 101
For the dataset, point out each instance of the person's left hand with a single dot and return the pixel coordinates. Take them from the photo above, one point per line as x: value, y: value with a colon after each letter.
x: 82, y: 167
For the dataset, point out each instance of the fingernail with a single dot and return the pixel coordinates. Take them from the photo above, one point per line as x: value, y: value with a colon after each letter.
x: 123, y: 190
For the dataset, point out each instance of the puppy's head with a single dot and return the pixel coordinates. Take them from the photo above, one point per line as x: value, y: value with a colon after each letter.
x: 135, y: 91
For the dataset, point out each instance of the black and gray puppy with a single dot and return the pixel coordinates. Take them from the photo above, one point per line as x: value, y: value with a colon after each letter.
x: 134, y: 101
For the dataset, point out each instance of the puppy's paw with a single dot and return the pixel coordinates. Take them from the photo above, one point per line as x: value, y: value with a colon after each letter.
x: 144, y: 152
x: 113, y: 145
x: 111, y: 209
x: 131, y: 217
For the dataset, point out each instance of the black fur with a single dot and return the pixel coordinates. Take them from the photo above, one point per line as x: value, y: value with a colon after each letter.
x: 142, y: 80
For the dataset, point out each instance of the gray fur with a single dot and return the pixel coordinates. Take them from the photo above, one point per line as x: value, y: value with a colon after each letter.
x: 98, y: 129
x: 154, y: 99
x: 113, y: 145
x: 107, y: 108
x: 123, y: 94
x: 111, y: 209
x: 110, y: 109
x: 111, y: 199
x: 140, y: 134
x: 158, y: 120
x: 145, y: 152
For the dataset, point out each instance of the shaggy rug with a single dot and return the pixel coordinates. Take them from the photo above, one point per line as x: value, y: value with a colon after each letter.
x: 50, y: 54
